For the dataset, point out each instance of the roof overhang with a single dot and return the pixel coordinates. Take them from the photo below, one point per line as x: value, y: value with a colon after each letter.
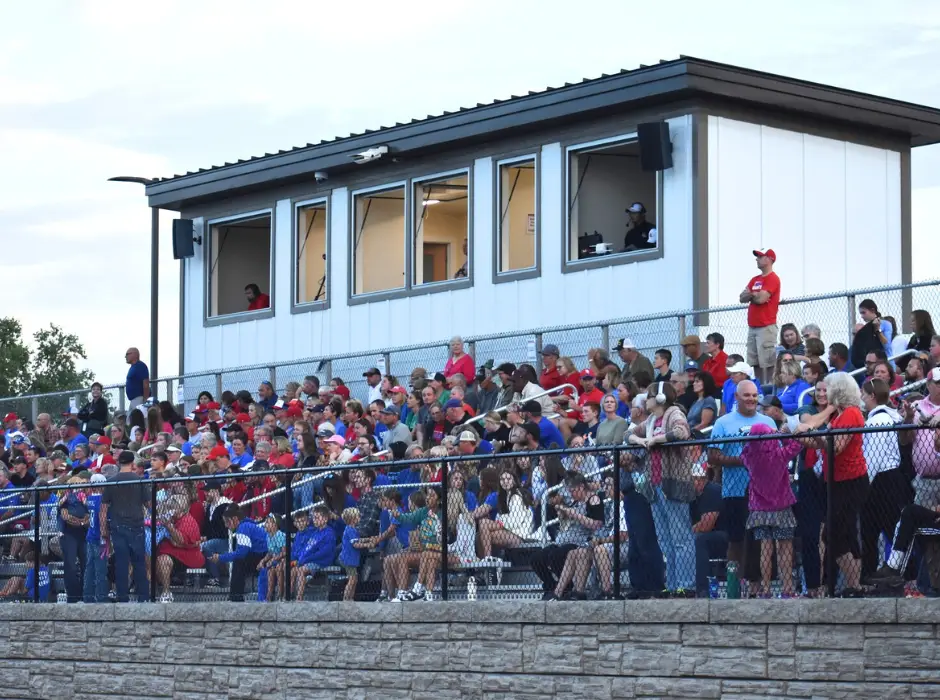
x: 668, y: 82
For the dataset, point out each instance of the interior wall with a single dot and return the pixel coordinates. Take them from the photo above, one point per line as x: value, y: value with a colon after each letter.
x: 518, y: 242
x: 443, y: 223
x: 380, y: 256
x: 241, y: 255
x: 611, y: 184
x: 311, y: 265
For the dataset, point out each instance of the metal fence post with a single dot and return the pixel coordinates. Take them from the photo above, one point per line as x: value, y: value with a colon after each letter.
x: 37, y: 547
x: 472, y: 351
x: 830, y: 558
x: 328, y: 369
x: 682, y: 329
x: 218, y: 386
x: 272, y: 377
x: 289, y: 531
x: 538, y: 346
x: 617, y: 497
x: 34, y: 408
x: 850, y: 300
x: 445, y: 535
x: 387, y: 356
x: 605, y: 336
x: 121, y: 398
x: 153, y: 545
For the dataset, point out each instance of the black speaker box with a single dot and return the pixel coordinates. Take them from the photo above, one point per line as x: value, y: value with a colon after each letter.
x: 183, y: 239
x: 655, y: 146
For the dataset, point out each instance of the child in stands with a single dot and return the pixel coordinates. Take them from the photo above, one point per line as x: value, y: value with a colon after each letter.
x: 349, y: 553
x: 770, y: 504
x: 272, y: 561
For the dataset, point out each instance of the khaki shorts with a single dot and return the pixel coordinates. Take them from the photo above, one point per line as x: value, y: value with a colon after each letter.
x: 762, y: 346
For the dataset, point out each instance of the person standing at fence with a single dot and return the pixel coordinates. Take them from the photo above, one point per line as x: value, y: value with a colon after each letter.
x: 122, y: 519
x: 926, y: 457
x: 725, y: 457
x: 137, y: 385
x: 762, y: 295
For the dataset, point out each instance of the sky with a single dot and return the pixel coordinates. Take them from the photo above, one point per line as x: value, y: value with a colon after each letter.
x: 90, y: 89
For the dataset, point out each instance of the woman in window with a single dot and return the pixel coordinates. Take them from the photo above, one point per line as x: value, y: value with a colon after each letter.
x: 850, y: 473
x: 790, y: 340
x: 459, y: 362
x: 705, y: 409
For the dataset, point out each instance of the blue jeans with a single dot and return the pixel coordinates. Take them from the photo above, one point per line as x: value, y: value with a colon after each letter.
x: 674, y: 532
x: 210, y: 547
x: 644, y: 558
x: 73, y: 557
x: 96, y: 574
x: 128, y: 543
x: 708, y: 546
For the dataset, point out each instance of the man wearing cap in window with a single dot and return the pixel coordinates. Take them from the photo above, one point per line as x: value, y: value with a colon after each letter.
x: 633, y: 361
x: 550, y: 377
x: 762, y: 295
x: 641, y: 234
x: 374, y: 380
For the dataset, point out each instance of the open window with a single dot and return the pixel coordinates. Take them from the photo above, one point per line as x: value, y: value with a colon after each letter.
x: 517, y: 224
x: 441, y: 210
x: 311, y: 236
x: 239, y: 264
x: 378, y: 240
x: 613, y: 204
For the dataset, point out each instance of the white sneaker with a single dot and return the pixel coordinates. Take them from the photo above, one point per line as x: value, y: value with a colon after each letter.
x: 428, y: 596
x: 166, y: 597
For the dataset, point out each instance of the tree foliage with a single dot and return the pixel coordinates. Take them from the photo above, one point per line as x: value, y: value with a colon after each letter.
x: 51, y: 365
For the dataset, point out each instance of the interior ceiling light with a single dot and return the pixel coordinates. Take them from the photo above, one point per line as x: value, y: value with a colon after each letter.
x: 429, y: 202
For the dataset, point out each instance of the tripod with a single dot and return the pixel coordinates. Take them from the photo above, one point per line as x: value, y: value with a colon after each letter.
x: 321, y: 291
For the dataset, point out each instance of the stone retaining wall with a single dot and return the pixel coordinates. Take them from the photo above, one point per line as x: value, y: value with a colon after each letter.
x: 878, y: 649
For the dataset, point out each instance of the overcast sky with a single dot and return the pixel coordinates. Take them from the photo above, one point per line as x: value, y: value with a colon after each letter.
x: 90, y: 89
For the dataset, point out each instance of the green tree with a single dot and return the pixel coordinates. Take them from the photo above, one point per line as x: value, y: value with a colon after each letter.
x: 14, y: 358
x: 54, y: 362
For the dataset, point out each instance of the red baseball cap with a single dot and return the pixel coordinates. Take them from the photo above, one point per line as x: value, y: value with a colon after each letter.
x: 102, y: 440
x: 295, y: 412
x: 213, y: 406
x: 9, y: 417
x: 243, y: 418
x: 342, y: 391
x: 585, y: 373
x: 218, y: 451
x: 398, y: 390
x: 769, y: 252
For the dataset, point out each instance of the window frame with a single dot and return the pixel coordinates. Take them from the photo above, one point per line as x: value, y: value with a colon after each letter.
x: 411, y: 257
x: 382, y: 294
x: 567, y: 265
x: 298, y: 306
x: 499, y: 277
x: 238, y: 316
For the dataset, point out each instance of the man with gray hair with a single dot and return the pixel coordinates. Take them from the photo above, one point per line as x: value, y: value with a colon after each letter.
x: 811, y: 330
x: 208, y: 441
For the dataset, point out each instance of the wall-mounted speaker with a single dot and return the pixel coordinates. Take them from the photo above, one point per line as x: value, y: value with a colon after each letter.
x: 655, y: 146
x: 183, y: 239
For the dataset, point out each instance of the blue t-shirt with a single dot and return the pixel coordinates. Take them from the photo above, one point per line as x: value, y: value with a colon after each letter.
x: 136, y: 375
x: 405, y: 477
x: 734, y: 480
x: 187, y: 448
x: 242, y: 461
x: 493, y: 502
x: 77, y: 440
x: 93, y: 504
x: 320, y: 550
x: 250, y: 538
x: 549, y: 434
x: 349, y: 555
x: 277, y: 542
x: 401, y: 531
x: 43, y: 582
x: 727, y: 393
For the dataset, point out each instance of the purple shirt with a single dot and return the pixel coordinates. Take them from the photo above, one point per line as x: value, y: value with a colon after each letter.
x: 766, y: 462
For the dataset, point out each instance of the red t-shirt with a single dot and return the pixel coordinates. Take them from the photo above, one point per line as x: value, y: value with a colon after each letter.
x: 550, y: 378
x: 850, y: 463
x: 716, y: 366
x: 760, y: 315
x: 593, y: 396
x: 462, y: 366
x: 262, y: 301
x: 189, y: 554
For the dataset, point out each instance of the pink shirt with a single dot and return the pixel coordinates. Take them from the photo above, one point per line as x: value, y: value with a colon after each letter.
x: 926, y: 457
x: 766, y: 462
x: 462, y: 366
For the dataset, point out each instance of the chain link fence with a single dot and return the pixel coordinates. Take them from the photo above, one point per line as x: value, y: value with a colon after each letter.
x: 835, y: 314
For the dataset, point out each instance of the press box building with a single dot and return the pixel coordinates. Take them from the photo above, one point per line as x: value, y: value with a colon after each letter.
x: 363, y: 256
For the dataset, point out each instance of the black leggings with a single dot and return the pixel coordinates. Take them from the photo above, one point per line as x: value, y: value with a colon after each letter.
x: 548, y: 562
x: 889, y: 493
x: 912, y: 518
x: 848, y: 497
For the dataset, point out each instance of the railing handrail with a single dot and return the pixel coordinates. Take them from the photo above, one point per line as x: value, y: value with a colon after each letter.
x: 503, y: 409
x: 855, y: 373
x: 443, y: 344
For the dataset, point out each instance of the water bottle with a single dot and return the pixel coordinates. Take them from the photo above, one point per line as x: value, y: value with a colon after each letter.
x: 734, y: 584
x: 713, y: 587
x: 471, y: 589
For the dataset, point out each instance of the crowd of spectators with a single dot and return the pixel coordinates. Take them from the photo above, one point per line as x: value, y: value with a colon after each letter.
x: 681, y: 507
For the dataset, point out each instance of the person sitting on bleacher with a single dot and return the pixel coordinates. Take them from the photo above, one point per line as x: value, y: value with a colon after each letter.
x: 926, y: 448
x: 318, y: 553
x: 251, y: 544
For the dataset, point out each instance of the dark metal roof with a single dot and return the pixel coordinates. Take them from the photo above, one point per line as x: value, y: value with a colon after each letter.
x: 668, y: 81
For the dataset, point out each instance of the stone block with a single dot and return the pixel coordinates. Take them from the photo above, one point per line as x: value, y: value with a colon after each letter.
x: 848, y: 611
x: 368, y: 612
x: 918, y: 610
x: 423, y: 656
x: 451, y: 611
x: 753, y: 636
x: 723, y: 662
x: 582, y: 687
x: 665, y: 611
x: 32, y: 631
x: 508, y: 611
x: 518, y: 683
x: 84, y: 613
x: 754, y: 611
x: 602, y: 661
x: 306, y: 612
x: 556, y: 655
x: 141, y: 612
x: 902, y: 653
x: 822, y: 665
x: 781, y: 640
x: 621, y: 687
x: 900, y: 631
x: 755, y: 688
x: 496, y: 657
x: 476, y: 630
x: 847, y: 691
x: 830, y: 636
x: 650, y: 659
x: 408, y: 632
x: 677, y: 688
x: 584, y: 612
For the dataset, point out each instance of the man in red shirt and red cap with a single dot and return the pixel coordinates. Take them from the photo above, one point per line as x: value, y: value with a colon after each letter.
x: 762, y: 294
x: 102, y: 453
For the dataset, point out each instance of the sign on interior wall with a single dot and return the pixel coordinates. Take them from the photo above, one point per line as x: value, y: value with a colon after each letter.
x: 530, y: 224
